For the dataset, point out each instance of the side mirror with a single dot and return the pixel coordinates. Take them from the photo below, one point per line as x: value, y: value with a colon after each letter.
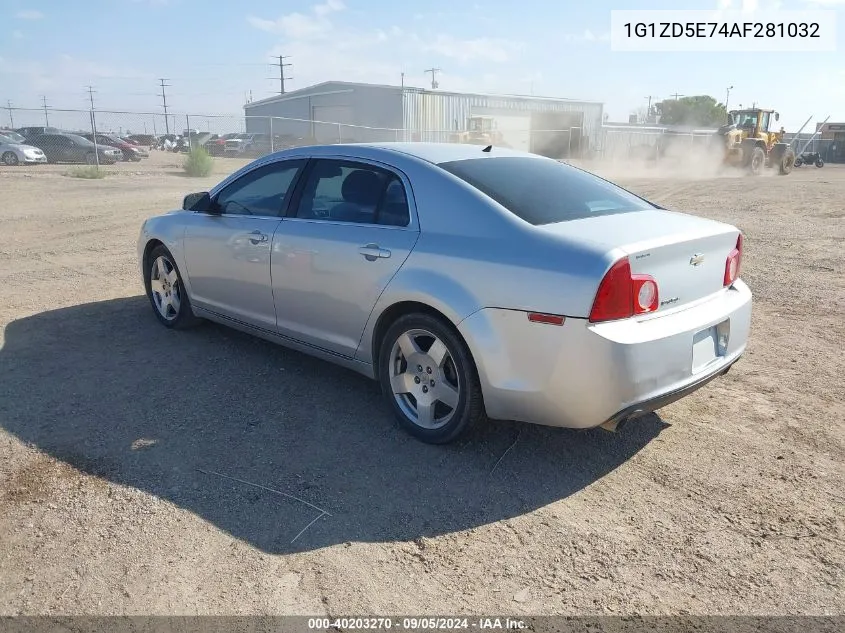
x: 777, y: 116
x: 200, y: 201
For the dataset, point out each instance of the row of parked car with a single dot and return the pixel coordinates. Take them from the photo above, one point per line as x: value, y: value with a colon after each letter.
x: 237, y: 144
x: 34, y: 145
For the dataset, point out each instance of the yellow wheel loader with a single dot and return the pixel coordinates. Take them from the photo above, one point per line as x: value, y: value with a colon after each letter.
x: 747, y: 143
x: 480, y: 130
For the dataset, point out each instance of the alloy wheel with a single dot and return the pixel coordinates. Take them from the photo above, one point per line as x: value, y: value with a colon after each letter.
x: 424, y: 379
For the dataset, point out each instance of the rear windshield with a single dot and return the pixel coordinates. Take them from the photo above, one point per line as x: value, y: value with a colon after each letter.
x: 544, y: 191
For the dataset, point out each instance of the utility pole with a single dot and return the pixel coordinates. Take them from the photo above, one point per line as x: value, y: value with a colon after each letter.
x: 727, y: 97
x: 676, y: 95
x: 164, y: 104
x: 648, y: 111
x: 403, y: 80
x: 91, y: 92
x: 11, y: 117
x: 46, y: 117
x: 433, y: 72
x: 282, y: 65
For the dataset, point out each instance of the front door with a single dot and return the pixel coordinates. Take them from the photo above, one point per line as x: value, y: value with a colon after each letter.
x: 349, y: 234
x: 227, y: 252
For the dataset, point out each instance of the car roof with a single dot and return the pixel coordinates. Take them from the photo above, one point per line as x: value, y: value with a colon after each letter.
x: 446, y: 152
x: 436, y: 153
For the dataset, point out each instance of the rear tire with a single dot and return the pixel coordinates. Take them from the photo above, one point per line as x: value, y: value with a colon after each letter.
x: 90, y: 159
x: 10, y: 159
x: 166, y: 291
x: 429, y: 379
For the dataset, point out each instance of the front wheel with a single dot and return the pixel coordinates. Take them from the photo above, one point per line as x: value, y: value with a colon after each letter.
x: 819, y: 163
x: 429, y: 379
x: 757, y: 161
x: 10, y: 158
x: 787, y: 162
x: 166, y: 291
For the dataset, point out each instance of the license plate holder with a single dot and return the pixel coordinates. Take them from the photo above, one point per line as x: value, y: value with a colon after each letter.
x: 710, y: 345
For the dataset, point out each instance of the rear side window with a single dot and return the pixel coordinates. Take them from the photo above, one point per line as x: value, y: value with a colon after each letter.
x: 544, y: 191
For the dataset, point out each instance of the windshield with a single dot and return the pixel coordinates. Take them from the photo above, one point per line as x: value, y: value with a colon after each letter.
x: 544, y: 191
x: 79, y: 140
x: 5, y: 140
x: 11, y: 137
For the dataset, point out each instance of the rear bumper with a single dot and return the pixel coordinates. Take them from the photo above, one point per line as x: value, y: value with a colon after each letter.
x: 658, y: 402
x: 581, y: 375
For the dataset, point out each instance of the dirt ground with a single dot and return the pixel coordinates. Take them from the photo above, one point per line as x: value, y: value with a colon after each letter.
x: 148, y: 471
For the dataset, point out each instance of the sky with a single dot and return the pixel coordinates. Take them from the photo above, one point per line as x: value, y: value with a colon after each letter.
x: 213, y: 53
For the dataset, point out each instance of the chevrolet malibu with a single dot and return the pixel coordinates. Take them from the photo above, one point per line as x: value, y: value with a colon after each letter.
x: 470, y: 282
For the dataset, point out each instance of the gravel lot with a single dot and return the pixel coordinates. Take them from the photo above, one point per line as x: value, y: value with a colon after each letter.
x: 149, y: 471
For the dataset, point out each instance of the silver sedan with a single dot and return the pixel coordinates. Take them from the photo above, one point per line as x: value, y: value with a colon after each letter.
x: 14, y: 151
x: 470, y: 282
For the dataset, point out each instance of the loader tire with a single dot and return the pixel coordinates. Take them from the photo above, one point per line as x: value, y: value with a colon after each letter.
x: 757, y: 161
x: 786, y: 163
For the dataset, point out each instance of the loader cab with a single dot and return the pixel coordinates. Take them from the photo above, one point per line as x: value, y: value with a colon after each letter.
x: 480, y: 124
x: 754, y: 122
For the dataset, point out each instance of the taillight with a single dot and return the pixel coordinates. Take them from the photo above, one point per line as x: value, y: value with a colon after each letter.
x: 622, y: 295
x: 733, y: 263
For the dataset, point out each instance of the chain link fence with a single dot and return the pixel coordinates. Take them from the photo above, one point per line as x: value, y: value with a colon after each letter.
x: 620, y: 143
x: 237, y: 135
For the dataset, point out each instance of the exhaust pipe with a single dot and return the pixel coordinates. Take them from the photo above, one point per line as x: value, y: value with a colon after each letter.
x: 614, y: 425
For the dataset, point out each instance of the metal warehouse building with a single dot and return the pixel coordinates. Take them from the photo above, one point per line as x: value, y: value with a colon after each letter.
x: 336, y: 111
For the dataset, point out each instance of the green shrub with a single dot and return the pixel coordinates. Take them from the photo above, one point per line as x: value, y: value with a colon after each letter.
x: 198, y: 163
x: 90, y: 172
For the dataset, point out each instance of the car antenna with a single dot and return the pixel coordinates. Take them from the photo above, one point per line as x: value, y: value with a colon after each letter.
x: 487, y: 149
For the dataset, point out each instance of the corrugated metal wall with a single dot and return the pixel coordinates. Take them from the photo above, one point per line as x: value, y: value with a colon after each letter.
x: 432, y: 116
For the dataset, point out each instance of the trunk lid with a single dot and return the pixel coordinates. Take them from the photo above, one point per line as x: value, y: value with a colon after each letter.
x: 685, y: 254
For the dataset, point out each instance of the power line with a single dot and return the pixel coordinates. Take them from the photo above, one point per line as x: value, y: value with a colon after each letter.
x: 164, y: 104
x: 433, y: 72
x: 282, y: 65
x: 46, y: 117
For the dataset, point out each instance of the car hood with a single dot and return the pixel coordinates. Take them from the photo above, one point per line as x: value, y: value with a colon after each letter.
x: 19, y: 146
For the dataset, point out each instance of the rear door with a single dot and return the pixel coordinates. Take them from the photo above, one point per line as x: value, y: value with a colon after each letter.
x: 352, y: 228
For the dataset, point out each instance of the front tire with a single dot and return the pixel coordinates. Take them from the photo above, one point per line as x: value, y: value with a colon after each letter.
x: 166, y: 291
x: 429, y: 379
x: 10, y: 159
x: 819, y: 163
x: 787, y: 162
x: 757, y: 161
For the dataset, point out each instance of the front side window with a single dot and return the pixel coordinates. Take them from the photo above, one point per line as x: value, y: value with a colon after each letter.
x: 345, y: 191
x: 543, y: 191
x: 263, y: 191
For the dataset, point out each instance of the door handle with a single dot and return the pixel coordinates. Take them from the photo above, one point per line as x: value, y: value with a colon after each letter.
x: 257, y: 237
x: 372, y: 252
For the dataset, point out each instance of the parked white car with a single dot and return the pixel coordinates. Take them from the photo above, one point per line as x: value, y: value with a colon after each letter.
x: 13, y: 152
x: 470, y: 282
